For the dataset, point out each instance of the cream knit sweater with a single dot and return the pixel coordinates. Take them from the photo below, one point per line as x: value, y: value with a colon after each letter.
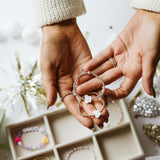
x: 54, y: 11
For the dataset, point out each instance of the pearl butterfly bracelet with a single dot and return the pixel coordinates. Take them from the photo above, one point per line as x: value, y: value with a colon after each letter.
x: 87, y: 98
x: 96, y: 113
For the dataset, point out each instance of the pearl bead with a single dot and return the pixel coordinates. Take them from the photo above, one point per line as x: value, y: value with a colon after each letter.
x: 146, y: 107
x: 41, y: 129
x: 19, y: 143
x: 97, y: 113
x: 88, y: 99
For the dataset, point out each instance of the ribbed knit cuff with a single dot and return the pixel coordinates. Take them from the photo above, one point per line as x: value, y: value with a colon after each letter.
x: 151, y: 5
x: 54, y: 11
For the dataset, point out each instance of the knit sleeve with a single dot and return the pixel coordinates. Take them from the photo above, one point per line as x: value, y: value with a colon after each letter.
x: 151, y: 5
x: 54, y: 11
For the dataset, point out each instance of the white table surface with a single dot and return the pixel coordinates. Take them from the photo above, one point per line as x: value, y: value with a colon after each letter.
x: 100, y: 15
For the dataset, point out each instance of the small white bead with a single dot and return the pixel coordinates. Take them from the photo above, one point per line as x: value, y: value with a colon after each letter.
x: 19, y: 143
x: 105, y: 125
x: 29, y: 129
x: 74, y: 93
x: 32, y: 128
x: 88, y: 99
x: 41, y: 129
x: 97, y: 113
x: 35, y: 128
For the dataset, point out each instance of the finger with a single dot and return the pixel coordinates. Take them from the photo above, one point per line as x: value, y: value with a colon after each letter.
x: 89, y: 108
x: 93, y: 84
x: 98, y: 70
x: 49, y: 82
x: 149, y: 63
x: 104, y: 113
x: 99, y: 59
x: 125, y: 88
x: 72, y: 105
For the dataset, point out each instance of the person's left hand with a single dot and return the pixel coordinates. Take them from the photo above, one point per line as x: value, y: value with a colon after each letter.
x: 63, y: 53
x: 136, y: 51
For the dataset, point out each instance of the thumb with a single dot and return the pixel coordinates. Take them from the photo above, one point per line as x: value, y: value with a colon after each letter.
x: 49, y: 82
x: 149, y: 63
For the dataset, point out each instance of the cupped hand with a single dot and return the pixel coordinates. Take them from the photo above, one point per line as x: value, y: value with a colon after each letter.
x: 64, y: 51
x: 136, y: 51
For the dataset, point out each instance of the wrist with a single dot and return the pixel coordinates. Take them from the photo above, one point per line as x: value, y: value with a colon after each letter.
x: 152, y: 16
x: 146, y: 12
x: 66, y: 28
x: 66, y: 23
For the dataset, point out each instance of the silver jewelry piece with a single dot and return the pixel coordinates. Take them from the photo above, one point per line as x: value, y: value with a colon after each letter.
x: 96, y: 113
x: 146, y: 107
x: 90, y: 73
x: 113, y: 62
x: 62, y: 98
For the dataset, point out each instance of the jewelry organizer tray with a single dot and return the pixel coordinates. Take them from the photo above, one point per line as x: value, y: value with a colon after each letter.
x: 117, y: 142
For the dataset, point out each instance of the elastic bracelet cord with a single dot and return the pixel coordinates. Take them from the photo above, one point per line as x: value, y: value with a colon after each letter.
x: 81, y: 148
x: 41, y: 130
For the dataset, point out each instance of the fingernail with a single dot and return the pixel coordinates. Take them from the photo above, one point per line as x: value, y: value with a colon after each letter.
x: 47, y: 104
x: 93, y: 128
x: 153, y: 92
x: 106, y: 120
x: 101, y: 126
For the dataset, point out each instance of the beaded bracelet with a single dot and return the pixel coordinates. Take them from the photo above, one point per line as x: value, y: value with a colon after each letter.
x: 106, y: 125
x: 45, y: 139
x: 42, y: 158
x: 88, y: 99
x: 81, y: 148
x: 96, y: 113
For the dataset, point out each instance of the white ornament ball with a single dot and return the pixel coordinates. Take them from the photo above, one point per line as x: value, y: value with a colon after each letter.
x: 31, y: 35
x: 13, y: 28
x: 3, y: 37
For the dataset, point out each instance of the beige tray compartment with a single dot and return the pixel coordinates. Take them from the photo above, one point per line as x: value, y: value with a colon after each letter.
x: 78, y: 155
x: 119, y: 144
x: 48, y: 154
x: 66, y: 128
x: 114, y: 114
x: 29, y: 139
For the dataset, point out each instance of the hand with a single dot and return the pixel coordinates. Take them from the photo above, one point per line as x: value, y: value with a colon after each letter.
x: 63, y: 53
x: 136, y: 50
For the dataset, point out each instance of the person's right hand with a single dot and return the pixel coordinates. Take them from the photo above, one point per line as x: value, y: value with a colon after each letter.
x: 136, y: 51
x: 63, y: 53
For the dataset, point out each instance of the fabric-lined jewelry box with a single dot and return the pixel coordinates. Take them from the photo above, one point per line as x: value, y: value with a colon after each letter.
x: 59, y: 134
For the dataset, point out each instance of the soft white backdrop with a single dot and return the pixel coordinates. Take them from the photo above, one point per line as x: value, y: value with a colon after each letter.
x: 100, y: 15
